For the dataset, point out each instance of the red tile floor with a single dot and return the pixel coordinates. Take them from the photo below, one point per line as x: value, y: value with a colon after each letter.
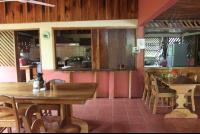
x: 130, y: 116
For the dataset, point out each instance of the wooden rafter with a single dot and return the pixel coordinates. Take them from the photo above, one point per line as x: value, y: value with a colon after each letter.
x: 173, y: 24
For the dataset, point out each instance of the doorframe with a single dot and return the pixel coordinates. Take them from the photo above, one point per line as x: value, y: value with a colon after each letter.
x: 17, y: 56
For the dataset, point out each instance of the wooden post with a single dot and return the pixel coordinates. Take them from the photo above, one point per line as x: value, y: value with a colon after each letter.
x: 130, y: 80
x: 95, y: 80
x: 111, y: 85
x: 17, y: 55
x: 69, y: 77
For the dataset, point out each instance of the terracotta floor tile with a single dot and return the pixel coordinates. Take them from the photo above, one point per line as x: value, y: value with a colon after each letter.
x: 121, y: 128
x: 120, y: 120
x: 144, y: 113
x: 132, y: 107
x: 179, y: 122
x: 136, y: 120
x: 105, y: 107
x: 139, y: 128
x: 89, y: 119
x: 165, y: 129
x: 152, y: 128
x: 118, y: 103
x: 182, y: 129
x: 104, y: 102
x: 134, y: 113
x: 148, y: 120
x: 93, y: 102
x: 90, y: 112
x: 192, y: 121
x: 104, y: 119
x: 195, y: 128
x: 119, y: 113
x: 92, y: 107
x: 105, y: 112
x: 156, y: 115
x: 103, y: 128
x: 160, y: 121
x: 119, y: 107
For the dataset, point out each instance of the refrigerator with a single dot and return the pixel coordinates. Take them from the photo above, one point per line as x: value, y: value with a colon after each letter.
x: 177, y: 55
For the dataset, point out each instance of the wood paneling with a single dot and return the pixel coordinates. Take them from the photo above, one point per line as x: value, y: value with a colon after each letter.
x: 116, y: 48
x: 68, y: 10
x: 130, y: 39
x: 95, y: 49
x: 113, y: 44
x: 103, y: 42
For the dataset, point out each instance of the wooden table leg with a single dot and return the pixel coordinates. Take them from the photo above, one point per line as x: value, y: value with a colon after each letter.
x: 28, y: 75
x: 35, y: 73
x: 67, y: 118
x: 181, y: 111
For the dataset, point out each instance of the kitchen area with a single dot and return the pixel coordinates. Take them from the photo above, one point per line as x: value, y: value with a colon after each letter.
x: 73, y: 49
x: 29, y: 53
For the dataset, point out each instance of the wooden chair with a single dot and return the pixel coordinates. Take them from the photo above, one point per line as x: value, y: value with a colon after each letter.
x: 10, y: 116
x: 147, y: 88
x: 191, y: 92
x: 184, y: 73
x: 160, y: 93
x: 33, y: 126
x: 45, y: 107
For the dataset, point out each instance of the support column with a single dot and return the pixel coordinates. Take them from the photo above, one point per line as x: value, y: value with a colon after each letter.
x: 111, y: 85
x: 95, y: 80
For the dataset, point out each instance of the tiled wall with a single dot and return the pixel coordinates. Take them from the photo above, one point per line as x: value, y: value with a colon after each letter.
x: 68, y: 51
x: 33, y: 55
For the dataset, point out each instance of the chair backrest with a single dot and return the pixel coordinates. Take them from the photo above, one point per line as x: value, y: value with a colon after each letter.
x: 146, y: 81
x: 9, y: 108
x: 32, y: 127
x: 193, y: 76
x: 57, y: 81
x: 154, y: 85
x: 184, y: 73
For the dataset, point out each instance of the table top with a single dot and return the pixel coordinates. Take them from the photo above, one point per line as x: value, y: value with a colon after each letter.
x: 60, y: 91
x: 28, y: 67
x: 177, y: 81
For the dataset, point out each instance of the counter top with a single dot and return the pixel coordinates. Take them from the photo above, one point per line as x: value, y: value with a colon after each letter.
x: 191, y: 67
x: 92, y: 70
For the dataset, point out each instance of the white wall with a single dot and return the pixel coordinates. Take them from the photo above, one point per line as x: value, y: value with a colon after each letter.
x: 47, y: 45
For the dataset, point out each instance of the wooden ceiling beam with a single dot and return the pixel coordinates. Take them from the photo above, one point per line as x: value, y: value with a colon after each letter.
x: 175, y: 24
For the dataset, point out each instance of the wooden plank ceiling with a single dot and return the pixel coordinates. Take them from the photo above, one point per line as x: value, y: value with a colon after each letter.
x: 68, y: 10
x: 182, y: 15
x: 182, y: 10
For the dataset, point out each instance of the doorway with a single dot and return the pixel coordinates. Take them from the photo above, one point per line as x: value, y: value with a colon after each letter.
x: 29, y: 54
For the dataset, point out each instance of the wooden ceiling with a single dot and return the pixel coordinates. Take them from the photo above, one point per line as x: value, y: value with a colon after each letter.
x: 182, y: 10
x: 68, y: 10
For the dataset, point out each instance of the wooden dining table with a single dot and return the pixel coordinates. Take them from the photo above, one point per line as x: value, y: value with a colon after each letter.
x: 65, y: 94
x: 182, y: 85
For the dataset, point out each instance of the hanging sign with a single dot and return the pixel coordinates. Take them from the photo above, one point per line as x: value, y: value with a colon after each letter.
x: 141, y: 43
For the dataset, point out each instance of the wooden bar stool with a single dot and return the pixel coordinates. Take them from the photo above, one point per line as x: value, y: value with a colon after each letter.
x: 160, y: 93
x: 191, y: 92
